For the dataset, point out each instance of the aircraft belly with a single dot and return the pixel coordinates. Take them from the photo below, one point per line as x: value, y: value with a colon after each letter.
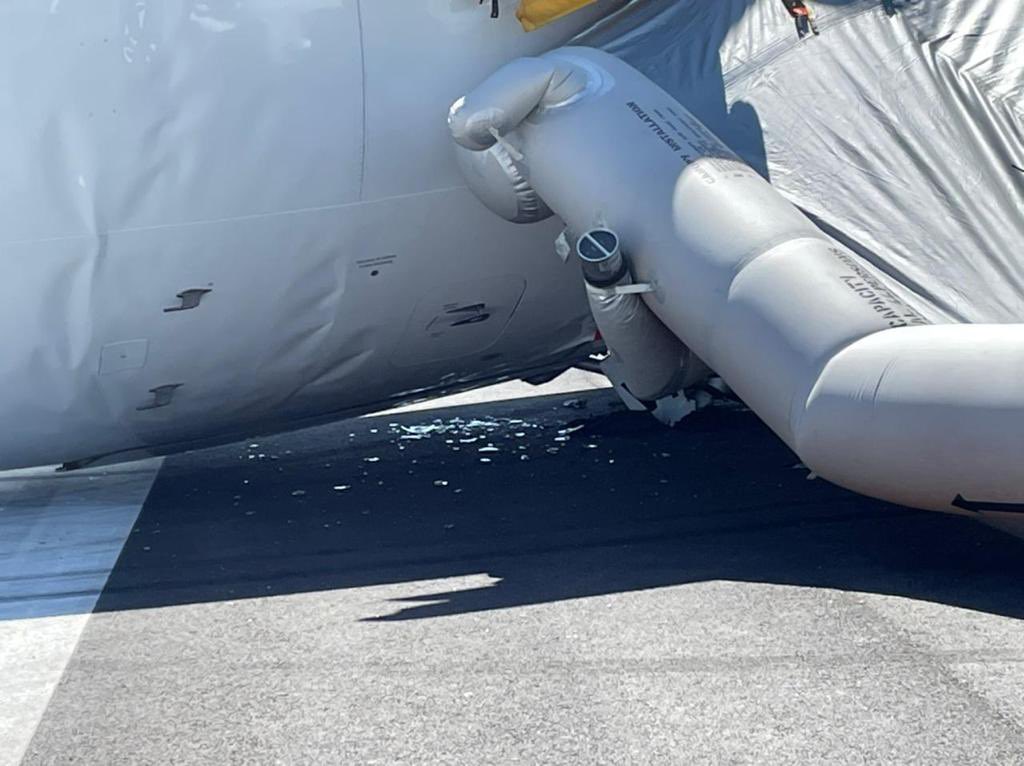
x: 207, y: 228
x: 300, y: 315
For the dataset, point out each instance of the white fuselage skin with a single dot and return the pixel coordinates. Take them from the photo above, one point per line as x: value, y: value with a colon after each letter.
x: 291, y: 157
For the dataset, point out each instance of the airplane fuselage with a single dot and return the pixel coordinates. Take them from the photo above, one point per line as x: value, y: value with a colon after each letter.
x: 229, y: 218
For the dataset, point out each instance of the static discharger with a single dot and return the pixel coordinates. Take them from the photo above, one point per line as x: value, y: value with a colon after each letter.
x: 162, y: 396
x: 190, y: 299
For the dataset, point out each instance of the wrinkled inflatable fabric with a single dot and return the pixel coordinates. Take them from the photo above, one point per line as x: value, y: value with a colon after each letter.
x: 534, y: 14
x: 901, y: 135
x: 867, y: 304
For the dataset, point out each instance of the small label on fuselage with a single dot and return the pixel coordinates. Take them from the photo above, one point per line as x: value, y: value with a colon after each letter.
x: 371, y: 263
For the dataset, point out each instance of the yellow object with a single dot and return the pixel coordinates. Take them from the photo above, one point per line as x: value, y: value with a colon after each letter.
x: 533, y: 14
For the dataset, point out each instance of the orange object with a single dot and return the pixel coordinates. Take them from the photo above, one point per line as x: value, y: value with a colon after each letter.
x: 534, y: 14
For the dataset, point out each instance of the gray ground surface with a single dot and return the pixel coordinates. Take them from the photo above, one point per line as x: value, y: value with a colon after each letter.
x: 627, y: 594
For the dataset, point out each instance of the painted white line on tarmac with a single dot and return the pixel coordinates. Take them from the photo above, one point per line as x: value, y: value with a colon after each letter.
x: 60, y: 536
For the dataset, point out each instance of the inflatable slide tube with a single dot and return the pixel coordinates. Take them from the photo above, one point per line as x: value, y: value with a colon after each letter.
x: 652, y: 361
x: 812, y: 338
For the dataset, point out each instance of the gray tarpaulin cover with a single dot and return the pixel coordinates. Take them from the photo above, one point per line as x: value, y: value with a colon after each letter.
x: 898, y: 129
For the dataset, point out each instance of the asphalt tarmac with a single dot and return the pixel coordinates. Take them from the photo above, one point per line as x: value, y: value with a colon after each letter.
x: 539, y: 580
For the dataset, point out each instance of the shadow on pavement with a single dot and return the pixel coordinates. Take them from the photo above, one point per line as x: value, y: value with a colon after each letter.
x: 606, y: 501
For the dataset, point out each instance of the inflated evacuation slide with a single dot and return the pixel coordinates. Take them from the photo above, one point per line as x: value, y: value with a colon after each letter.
x: 867, y: 302
x: 899, y: 128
